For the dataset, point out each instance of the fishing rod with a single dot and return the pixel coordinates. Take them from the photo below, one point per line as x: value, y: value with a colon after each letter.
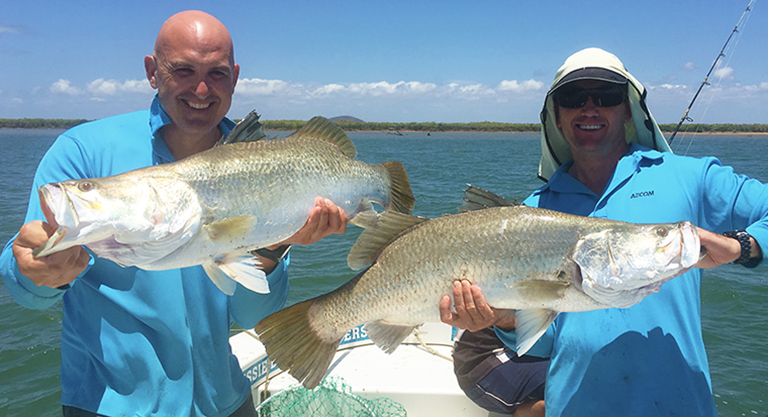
x: 703, y: 83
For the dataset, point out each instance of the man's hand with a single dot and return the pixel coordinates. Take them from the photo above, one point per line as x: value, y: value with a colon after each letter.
x: 472, y: 312
x: 54, y: 270
x: 722, y: 249
x: 325, y: 219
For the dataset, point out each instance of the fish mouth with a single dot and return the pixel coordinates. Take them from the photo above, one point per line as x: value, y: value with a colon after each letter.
x: 60, y: 213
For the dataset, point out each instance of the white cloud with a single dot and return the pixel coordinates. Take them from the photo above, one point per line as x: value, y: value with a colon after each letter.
x: 260, y: 87
x: 724, y: 72
x: 383, y: 88
x: 513, y: 85
x: 8, y: 29
x: 102, y: 87
x: 62, y: 86
x: 689, y: 66
x: 669, y: 87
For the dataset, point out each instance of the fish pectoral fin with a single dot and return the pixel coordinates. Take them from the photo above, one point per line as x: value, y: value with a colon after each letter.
x: 387, y: 336
x: 230, y: 228
x: 476, y: 198
x: 541, y: 291
x: 295, y: 346
x: 246, y: 270
x: 401, y: 193
x: 530, y: 325
x: 374, y: 239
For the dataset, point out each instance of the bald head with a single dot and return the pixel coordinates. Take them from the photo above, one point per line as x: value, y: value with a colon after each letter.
x: 194, y: 72
x: 195, y: 27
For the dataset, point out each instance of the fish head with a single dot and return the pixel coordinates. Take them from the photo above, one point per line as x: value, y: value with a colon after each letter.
x: 105, y: 213
x: 623, y: 263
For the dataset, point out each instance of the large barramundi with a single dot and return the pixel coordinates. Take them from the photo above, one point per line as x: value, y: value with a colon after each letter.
x: 213, y: 208
x: 536, y: 261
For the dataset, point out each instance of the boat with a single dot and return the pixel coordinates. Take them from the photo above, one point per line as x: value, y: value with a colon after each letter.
x: 418, y: 375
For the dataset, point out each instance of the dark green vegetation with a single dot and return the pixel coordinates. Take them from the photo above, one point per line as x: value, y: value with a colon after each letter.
x: 501, y: 127
x: 40, y: 123
x: 352, y: 125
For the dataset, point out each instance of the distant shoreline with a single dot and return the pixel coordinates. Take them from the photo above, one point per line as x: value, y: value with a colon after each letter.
x: 397, y: 128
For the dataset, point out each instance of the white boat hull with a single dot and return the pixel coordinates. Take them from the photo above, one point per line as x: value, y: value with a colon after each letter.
x: 421, y: 381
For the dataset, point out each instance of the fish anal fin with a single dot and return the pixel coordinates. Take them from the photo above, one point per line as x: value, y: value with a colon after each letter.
x: 366, y: 217
x: 248, y: 130
x: 476, y: 198
x: 387, y: 336
x: 226, y: 284
x: 230, y: 228
x: 402, y: 195
x: 321, y: 128
x: 530, y: 325
x: 373, y: 239
x: 246, y: 270
x: 294, y: 346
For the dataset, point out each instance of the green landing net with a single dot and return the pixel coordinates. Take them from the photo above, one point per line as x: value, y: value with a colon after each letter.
x: 331, y: 398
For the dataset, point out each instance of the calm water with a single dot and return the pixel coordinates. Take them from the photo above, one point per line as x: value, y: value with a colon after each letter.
x: 439, y: 166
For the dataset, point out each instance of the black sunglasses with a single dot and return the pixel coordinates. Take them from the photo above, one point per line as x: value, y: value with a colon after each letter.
x: 575, y: 98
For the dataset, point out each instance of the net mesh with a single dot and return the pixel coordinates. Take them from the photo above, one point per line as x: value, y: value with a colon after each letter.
x: 332, y: 398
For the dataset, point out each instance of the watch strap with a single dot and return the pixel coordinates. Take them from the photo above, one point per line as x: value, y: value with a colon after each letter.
x: 274, y: 255
x: 746, y: 247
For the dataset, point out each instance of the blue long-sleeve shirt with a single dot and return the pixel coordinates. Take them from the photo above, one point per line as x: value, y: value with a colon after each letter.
x: 135, y: 342
x: 649, y: 359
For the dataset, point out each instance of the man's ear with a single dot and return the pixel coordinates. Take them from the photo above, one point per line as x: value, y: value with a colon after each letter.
x: 150, y: 67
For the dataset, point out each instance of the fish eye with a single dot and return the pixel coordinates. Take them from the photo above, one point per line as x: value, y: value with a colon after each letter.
x: 85, y: 186
x: 662, y: 231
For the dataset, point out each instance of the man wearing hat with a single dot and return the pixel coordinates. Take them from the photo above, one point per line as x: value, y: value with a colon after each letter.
x: 604, y: 156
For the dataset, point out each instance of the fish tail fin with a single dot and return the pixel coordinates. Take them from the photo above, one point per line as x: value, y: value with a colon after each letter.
x: 387, y: 336
x: 402, y: 196
x: 294, y: 346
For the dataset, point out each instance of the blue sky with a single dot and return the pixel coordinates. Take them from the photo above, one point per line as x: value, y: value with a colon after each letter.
x: 400, y: 61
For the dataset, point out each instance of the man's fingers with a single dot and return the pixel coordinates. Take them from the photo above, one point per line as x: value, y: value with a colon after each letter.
x: 469, y: 300
x: 446, y: 316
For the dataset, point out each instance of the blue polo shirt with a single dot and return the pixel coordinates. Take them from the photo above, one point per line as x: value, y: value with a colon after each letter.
x: 135, y: 342
x: 649, y: 359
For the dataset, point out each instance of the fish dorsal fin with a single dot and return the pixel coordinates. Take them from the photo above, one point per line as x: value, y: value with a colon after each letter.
x: 374, y: 239
x: 248, y: 130
x: 321, y: 128
x: 476, y: 198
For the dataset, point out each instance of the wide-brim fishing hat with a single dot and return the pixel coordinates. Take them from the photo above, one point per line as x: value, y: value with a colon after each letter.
x: 595, y: 64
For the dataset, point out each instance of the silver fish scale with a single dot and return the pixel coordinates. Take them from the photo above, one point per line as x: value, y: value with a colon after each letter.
x: 496, y: 248
x: 259, y: 179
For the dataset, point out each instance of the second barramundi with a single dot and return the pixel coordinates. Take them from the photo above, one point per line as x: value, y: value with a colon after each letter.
x: 538, y: 262
x: 213, y: 208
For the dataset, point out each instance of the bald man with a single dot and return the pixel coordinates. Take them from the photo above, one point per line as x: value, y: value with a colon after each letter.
x: 138, y: 342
